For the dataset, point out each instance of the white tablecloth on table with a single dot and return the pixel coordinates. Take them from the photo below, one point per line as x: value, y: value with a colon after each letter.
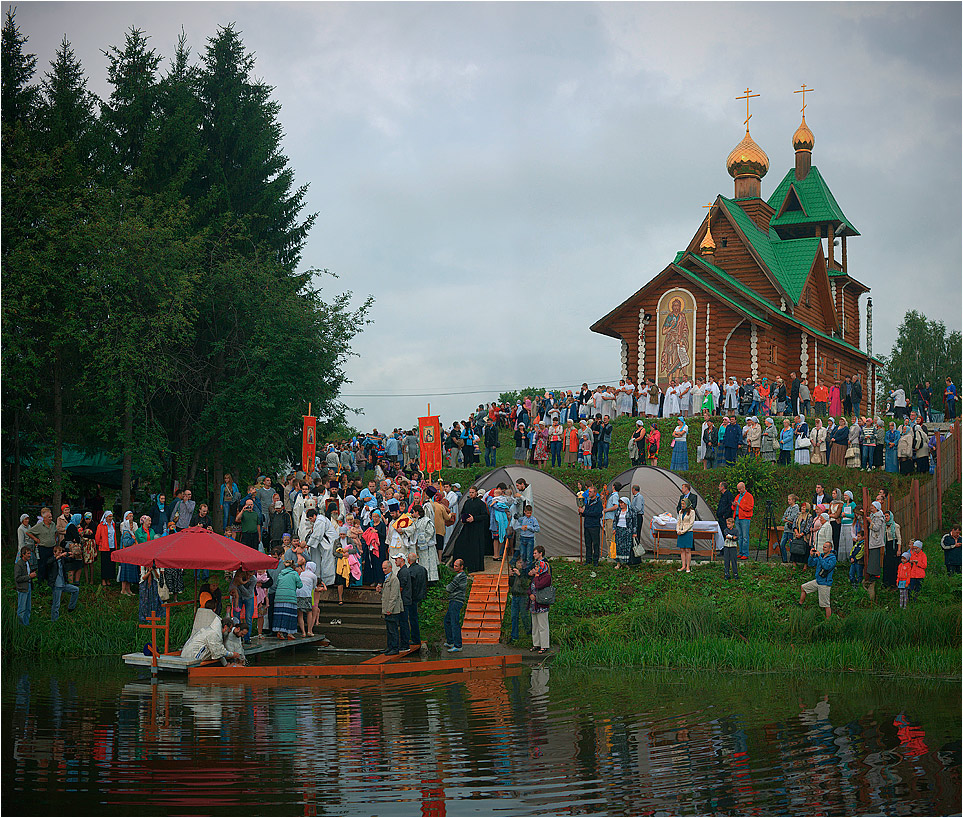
x: 661, y: 524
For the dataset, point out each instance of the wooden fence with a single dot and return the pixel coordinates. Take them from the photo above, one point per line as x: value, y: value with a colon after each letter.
x: 920, y: 512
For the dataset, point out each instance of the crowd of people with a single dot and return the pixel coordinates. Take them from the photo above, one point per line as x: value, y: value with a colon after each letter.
x: 575, y: 429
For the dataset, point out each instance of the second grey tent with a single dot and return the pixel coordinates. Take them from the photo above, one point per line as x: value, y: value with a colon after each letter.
x: 661, y: 489
x: 555, y: 509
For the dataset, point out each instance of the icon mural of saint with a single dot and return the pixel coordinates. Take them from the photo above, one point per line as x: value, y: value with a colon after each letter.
x: 675, y: 340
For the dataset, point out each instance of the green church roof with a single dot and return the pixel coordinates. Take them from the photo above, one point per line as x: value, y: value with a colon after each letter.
x: 818, y: 203
x: 789, y: 260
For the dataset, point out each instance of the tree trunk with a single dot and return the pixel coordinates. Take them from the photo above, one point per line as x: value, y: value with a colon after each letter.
x: 127, y: 470
x: 215, y: 505
x: 58, y: 424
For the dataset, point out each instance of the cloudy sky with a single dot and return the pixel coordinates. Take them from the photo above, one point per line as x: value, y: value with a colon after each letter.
x: 499, y: 176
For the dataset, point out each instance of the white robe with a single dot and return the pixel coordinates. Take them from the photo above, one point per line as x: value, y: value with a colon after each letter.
x: 425, y: 543
x: 714, y: 388
x: 671, y: 406
x: 320, y: 545
x: 732, y: 396
x: 686, y: 399
x: 608, y: 404
x: 698, y: 393
x: 653, y: 403
x: 207, y: 643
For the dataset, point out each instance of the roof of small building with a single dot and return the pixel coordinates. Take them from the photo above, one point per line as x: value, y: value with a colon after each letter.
x: 817, y: 200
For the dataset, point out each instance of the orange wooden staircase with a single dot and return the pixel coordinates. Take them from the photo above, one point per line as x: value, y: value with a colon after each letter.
x: 486, y: 608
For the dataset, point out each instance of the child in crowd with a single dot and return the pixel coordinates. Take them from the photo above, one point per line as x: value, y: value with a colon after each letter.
x: 856, y: 556
x: 525, y: 529
x: 903, y: 579
x: 917, y: 560
x: 519, y: 594
x: 730, y: 550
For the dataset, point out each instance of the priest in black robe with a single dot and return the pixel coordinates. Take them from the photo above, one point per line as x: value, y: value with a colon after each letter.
x: 474, y: 535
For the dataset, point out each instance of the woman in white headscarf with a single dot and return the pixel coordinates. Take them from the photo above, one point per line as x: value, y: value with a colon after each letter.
x: 128, y: 573
x: 874, y: 549
x: 680, y: 446
x: 769, y: 441
x: 624, y: 527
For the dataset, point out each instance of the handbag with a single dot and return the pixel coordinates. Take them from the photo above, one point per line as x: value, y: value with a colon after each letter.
x: 545, y: 596
x: 612, y: 550
x: 803, y: 443
x: 638, y: 550
x: 852, y: 451
x: 163, y: 592
x: 798, y: 547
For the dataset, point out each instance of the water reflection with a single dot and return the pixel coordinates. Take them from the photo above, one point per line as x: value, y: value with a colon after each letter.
x: 525, y: 741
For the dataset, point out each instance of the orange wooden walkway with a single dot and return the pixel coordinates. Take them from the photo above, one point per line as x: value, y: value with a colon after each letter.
x: 486, y: 608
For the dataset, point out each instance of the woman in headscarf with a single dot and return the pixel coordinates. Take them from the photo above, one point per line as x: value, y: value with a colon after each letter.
x: 652, y: 441
x: 375, y: 551
x: 680, y: 446
x: 765, y: 396
x: 710, y: 442
x: 853, y: 452
x: 88, y: 546
x: 880, y: 453
x: 128, y: 573
x: 521, y: 446
x: 75, y: 550
x: 890, y: 441
x: 817, y: 448
x: 837, y: 454
x: 684, y: 536
x: 768, y: 441
x: 624, y: 528
x: 637, y: 444
x: 424, y: 542
x: 835, y: 404
x: 149, y: 598
x: 830, y: 430
x: 801, y: 433
x: 106, y: 539
x: 541, y: 445
x: 892, y: 549
x: 874, y: 549
x: 846, y: 520
x: 785, y: 443
x: 904, y: 448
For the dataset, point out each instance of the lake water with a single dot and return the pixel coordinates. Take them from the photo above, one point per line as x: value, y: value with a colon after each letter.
x: 79, y: 738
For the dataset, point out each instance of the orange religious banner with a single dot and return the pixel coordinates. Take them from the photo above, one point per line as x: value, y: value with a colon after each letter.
x: 308, y: 443
x: 429, y: 436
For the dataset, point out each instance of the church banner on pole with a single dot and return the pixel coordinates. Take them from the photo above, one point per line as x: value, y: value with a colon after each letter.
x: 308, y: 443
x: 429, y: 435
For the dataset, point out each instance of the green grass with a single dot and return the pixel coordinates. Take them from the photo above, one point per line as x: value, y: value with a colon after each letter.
x: 652, y: 616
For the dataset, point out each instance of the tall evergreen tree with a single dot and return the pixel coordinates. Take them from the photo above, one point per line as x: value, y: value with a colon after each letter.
x: 245, y: 173
x: 131, y: 110
x: 18, y: 95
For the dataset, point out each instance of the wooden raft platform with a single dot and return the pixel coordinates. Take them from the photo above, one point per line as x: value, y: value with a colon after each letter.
x: 177, y: 663
x: 460, y: 665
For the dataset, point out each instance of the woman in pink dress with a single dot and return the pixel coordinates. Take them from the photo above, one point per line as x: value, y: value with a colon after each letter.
x: 541, y: 445
x: 835, y: 404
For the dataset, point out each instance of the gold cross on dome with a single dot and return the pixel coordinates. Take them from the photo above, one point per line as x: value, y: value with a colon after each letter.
x: 749, y: 95
x: 802, y: 90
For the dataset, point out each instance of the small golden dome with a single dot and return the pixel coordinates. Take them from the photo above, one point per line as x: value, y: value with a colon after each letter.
x: 803, y: 139
x: 747, y: 159
x: 708, y: 245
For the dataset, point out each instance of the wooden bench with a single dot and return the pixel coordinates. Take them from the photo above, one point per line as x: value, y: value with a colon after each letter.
x: 661, y: 547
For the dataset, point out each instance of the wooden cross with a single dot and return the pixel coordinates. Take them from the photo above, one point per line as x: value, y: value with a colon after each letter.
x: 802, y: 90
x: 155, y: 623
x: 747, y: 97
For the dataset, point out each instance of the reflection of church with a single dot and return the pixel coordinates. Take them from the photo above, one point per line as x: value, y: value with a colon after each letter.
x: 762, y: 289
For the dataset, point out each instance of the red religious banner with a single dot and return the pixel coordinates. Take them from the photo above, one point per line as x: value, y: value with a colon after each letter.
x: 429, y: 435
x: 308, y: 444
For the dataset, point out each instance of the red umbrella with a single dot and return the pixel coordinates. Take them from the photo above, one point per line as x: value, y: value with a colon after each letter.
x: 195, y: 547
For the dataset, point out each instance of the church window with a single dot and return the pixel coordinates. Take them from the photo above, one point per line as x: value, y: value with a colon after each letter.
x: 807, y: 297
x: 725, y: 242
x: 772, y: 353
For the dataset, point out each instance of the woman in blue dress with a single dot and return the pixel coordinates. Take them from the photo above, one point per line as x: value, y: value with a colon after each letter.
x: 680, y: 447
x: 890, y: 441
x: 128, y: 574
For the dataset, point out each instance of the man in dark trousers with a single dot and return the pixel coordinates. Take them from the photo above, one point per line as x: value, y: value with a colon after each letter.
x: 686, y: 495
x: 724, y: 509
x: 418, y: 576
x: 592, y: 524
x: 404, y: 581
x: 856, y: 393
x: 391, y: 607
x: 794, y: 393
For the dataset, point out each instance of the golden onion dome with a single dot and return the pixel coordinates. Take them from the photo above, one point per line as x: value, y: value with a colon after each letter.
x: 708, y: 245
x: 803, y: 139
x: 747, y: 159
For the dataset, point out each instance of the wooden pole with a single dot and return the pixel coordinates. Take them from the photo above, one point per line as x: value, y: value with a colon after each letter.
x: 938, y: 476
x: 916, y: 507
x: 865, y: 529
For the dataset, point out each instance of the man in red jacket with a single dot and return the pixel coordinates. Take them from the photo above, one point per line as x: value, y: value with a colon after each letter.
x: 742, y: 513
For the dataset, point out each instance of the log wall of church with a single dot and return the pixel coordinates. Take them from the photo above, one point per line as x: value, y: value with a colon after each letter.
x: 736, y: 260
x: 759, y: 212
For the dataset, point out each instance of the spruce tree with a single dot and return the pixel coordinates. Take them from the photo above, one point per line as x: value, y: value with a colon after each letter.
x: 18, y: 95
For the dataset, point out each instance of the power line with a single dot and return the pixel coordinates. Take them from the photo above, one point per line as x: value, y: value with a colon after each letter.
x: 467, y: 392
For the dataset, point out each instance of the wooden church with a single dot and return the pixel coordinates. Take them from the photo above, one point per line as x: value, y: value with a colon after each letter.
x: 762, y: 289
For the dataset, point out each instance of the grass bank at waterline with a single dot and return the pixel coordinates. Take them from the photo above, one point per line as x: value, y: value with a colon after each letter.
x: 104, y: 624
x: 652, y: 616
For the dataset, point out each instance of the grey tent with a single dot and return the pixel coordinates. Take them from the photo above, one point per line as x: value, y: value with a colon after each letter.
x: 555, y: 509
x: 661, y: 489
